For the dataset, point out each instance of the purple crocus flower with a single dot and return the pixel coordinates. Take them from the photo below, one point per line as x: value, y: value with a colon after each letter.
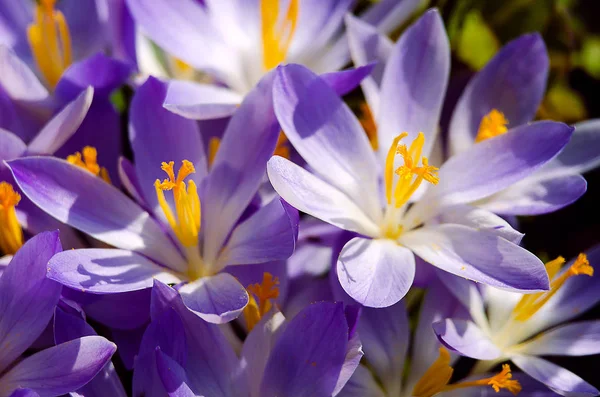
x: 162, y: 234
x: 221, y: 39
x: 312, y: 354
x: 522, y: 328
x: 370, y: 193
x: 503, y: 96
x: 27, y: 302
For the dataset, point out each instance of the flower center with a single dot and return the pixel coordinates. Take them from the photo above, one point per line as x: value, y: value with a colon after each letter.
x: 492, y: 124
x: 11, y: 234
x: 410, y: 176
x: 261, y: 296
x: 88, y: 160
x: 50, y: 41
x: 436, y: 379
x: 277, y: 37
x: 531, y: 304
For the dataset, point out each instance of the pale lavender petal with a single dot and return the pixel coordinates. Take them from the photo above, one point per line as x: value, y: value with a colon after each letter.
x: 558, y: 379
x: 62, y: 126
x: 27, y: 297
x: 106, y: 270
x: 268, y: 235
x: 173, y: 376
x: 422, y: 54
x: 466, y: 338
x: 354, y: 354
x: 327, y: 135
x: 201, y: 101
x: 480, y: 256
x: 217, y: 299
x: 577, y: 339
x: 344, y: 81
x: 61, y: 369
x: 582, y: 152
x: 130, y: 181
x: 19, y: 82
x: 308, y: 357
x: 362, y: 384
x: 389, y: 14
x: 11, y: 146
x: 513, y: 82
x: 76, y: 197
x: 376, y: 273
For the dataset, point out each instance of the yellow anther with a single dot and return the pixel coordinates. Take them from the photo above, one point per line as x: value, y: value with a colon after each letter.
x: 181, y: 69
x: 530, y: 304
x: 368, y: 123
x: 88, y: 160
x: 11, y: 234
x: 276, y: 36
x: 261, y: 296
x: 282, y: 149
x: 492, y: 124
x: 186, y: 223
x: 213, y: 147
x: 50, y: 41
x: 436, y: 378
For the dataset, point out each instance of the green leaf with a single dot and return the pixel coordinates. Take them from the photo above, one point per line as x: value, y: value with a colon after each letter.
x: 562, y: 104
x: 477, y: 43
x: 590, y: 56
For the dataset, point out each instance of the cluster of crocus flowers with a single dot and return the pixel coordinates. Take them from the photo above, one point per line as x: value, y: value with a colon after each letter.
x: 256, y: 237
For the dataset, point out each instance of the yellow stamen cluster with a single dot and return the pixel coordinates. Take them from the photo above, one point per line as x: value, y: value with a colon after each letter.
x: 50, y: 41
x: 492, y: 124
x: 368, y: 123
x: 88, y: 160
x: 261, y: 296
x: 277, y: 37
x: 530, y: 304
x: 11, y: 234
x: 436, y: 378
x: 411, y: 175
x: 186, y: 225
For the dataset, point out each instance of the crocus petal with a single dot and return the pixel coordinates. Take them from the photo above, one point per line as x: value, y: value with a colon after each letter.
x: 11, y: 146
x: 362, y: 384
x: 217, y: 299
x: 367, y: 44
x: 466, y: 338
x: 61, y: 369
x: 497, y: 163
x: 62, y: 126
x: 308, y: 357
x: 344, y: 81
x: 385, y: 336
x: 19, y: 82
x: 106, y: 270
x: 581, y: 154
x: 268, y: 235
x: 389, y: 14
x: 513, y: 82
x: 239, y: 166
x: 76, y: 197
x: 480, y: 256
x: 577, y: 339
x: 316, y: 197
x: 534, y: 196
x: 27, y: 297
x: 152, y: 139
x: 375, y: 273
x: 201, y: 101
x: 326, y: 134
x: 421, y: 54
x: 130, y: 181
x: 24, y: 393
x: 558, y: 379
x: 354, y: 354
x: 172, y: 376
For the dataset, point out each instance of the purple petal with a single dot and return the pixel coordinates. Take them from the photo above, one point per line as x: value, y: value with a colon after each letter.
x: 466, y: 338
x: 362, y: 384
x: 24, y: 393
x: 577, y: 339
x: 582, y: 152
x: 128, y: 344
x: 120, y: 29
x: 173, y: 376
x: 106, y: 270
x: 11, y: 146
x: 389, y: 14
x: 152, y: 139
x: 201, y: 101
x: 376, y: 273
x: 354, y: 354
x: 414, y: 83
x: 63, y: 368
x: 27, y: 297
x: 130, y: 181
x: 62, y: 126
x: 104, y: 74
x: 326, y: 134
x: 19, y: 82
x: 513, y: 82
x: 76, y: 197
x: 239, y: 166
x: 558, y: 379
x: 480, y: 256
x: 217, y: 299
x: 344, y: 81
x: 268, y: 235
x: 497, y: 163
x: 534, y: 196
x: 308, y: 357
